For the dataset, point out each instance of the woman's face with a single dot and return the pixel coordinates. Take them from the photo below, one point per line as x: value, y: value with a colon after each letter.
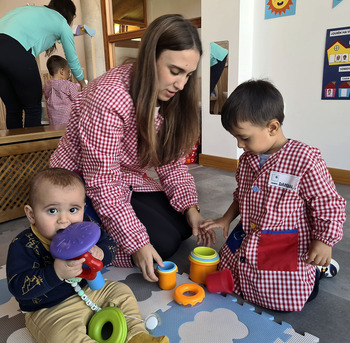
x: 173, y: 69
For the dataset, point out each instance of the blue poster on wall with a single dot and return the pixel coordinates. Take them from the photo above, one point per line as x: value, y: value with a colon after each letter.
x: 336, y: 70
x: 336, y: 2
x: 277, y: 8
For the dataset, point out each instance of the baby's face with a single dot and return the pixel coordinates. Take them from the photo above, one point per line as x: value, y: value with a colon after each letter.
x: 57, y: 207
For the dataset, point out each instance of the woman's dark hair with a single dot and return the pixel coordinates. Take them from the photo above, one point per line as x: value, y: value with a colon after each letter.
x: 254, y: 101
x: 180, y: 129
x: 65, y: 7
x: 54, y: 63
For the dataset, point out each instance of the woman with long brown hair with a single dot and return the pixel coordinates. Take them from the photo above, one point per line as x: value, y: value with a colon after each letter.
x: 134, y: 117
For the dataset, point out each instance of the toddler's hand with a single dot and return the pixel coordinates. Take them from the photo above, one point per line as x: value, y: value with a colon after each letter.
x: 67, y: 269
x: 220, y: 223
x: 320, y: 254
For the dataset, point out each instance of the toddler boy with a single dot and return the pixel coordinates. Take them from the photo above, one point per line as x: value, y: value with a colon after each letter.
x: 59, y: 92
x: 291, y: 214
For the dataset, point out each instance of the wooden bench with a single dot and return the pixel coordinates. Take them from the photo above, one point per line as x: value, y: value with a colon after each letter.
x: 23, y: 153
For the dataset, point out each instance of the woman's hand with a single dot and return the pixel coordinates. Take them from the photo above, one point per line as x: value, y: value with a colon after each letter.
x: 194, y: 220
x: 144, y: 258
x: 82, y: 83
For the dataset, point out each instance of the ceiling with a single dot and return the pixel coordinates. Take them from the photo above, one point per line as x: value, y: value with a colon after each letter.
x: 128, y: 10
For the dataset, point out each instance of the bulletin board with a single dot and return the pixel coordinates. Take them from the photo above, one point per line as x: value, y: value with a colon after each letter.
x: 336, y: 70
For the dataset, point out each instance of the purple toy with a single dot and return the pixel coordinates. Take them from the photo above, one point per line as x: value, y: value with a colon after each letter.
x: 74, y: 242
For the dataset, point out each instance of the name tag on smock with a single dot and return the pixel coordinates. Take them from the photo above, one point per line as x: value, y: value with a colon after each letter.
x: 282, y: 180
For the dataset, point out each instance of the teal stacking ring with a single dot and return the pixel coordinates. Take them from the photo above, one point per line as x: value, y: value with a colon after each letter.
x: 168, y: 267
x: 208, y: 260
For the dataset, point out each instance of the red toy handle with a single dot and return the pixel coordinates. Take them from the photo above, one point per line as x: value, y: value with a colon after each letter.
x: 95, y: 265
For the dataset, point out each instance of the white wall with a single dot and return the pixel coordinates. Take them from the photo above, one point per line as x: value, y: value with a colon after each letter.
x: 94, y: 47
x: 124, y: 53
x: 290, y: 52
x: 221, y: 21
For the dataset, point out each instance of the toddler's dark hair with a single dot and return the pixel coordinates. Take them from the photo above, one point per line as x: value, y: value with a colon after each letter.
x: 254, y: 101
x: 54, y: 63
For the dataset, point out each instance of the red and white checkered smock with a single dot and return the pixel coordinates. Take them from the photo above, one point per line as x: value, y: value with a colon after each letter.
x: 269, y: 268
x: 59, y: 95
x: 101, y: 144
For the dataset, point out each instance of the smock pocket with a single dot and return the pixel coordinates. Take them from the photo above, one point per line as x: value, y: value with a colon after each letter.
x: 235, y: 239
x: 278, y: 250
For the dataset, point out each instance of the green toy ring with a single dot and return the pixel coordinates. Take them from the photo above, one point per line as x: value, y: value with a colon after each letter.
x: 108, y: 314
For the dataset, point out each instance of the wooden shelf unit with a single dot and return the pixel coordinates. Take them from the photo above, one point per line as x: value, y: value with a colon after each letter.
x: 23, y: 153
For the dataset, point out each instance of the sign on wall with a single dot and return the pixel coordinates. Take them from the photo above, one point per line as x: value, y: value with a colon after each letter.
x: 336, y: 70
x: 336, y: 2
x: 276, y: 8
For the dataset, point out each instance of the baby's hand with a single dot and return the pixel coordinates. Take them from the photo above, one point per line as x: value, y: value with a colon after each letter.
x: 320, y: 254
x: 97, y: 252
x: 67, y: 269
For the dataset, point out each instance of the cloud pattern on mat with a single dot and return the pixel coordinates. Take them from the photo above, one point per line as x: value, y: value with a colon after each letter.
x: 219, y: 326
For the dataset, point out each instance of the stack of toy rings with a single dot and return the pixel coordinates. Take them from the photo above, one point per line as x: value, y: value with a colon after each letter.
x: 167, y: 275
x: 204, y: 261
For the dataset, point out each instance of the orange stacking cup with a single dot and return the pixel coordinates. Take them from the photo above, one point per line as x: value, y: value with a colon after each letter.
x: 167, y: 275
x: 204, y: 261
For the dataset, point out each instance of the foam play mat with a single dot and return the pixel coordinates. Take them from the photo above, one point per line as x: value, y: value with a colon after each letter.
x: 217, y: 319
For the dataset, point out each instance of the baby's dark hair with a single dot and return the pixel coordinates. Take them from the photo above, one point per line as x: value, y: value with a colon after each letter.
x: 56, y: 176
x: 54, y: 63
x: 254, y: 101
